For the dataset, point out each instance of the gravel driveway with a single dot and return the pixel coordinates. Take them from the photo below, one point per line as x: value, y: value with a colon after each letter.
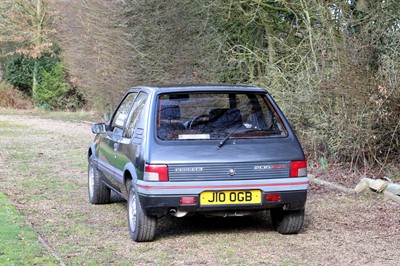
x: 43, y: 171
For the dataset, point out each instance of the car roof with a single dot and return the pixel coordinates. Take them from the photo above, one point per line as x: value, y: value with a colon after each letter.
x: 186, y: 88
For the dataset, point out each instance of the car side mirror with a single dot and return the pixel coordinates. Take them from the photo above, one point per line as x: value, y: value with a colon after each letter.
x: 99, y: 128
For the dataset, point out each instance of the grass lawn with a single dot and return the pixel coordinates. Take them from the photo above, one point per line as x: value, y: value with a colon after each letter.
x: 77, y: 116
x: 19, y: 244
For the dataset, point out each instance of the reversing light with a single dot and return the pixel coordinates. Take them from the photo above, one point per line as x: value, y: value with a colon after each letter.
x: 156, y: 173
x: 298, y: 168
x: 273, y: 197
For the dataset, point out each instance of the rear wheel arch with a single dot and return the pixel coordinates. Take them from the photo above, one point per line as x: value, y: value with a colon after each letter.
x: 127, y: 180
x: 129, y: 176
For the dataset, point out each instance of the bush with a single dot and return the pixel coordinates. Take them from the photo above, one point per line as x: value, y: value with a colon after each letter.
x: 53, y: 92
x: 19, y: 70
x: 13, y: 98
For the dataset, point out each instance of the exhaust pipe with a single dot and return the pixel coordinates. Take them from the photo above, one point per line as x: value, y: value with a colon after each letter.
x: 177, y: 213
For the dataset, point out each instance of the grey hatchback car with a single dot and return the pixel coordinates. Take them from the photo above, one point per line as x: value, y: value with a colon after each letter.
x: 216, y: 150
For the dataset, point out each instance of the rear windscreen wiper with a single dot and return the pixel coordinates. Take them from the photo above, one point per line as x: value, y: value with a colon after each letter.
x: 222, y: 142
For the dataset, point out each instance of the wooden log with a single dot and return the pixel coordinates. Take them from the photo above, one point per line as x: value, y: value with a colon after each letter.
x: 330, y: 185
x: 390, y: 196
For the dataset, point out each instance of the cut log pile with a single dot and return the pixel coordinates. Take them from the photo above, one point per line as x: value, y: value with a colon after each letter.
x: 386, y: 186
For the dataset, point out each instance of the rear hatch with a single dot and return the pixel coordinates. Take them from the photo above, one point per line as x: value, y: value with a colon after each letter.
x: 236, y: 160
x: 221, y: 135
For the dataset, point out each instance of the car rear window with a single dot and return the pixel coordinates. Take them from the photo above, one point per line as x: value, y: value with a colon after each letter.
x: 205, y: 116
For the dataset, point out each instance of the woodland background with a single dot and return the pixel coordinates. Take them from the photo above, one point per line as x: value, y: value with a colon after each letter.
x: 332, y: 65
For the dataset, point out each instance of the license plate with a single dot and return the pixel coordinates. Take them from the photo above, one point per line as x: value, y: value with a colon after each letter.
x: 230, y: 197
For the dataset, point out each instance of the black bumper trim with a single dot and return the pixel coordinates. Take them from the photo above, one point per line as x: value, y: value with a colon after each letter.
x: 160, y: 205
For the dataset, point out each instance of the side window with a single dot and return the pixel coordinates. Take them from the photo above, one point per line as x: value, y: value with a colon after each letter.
x: 244, y: 105
x: 259, y: 116
x: 136, y: 109
x: 268, y: 114
x: 123, y: 111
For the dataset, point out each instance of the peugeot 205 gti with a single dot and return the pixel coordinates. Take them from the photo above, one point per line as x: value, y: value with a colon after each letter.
x: 215, y: 150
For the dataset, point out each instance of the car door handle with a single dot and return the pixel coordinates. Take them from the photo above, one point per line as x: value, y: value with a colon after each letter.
x: 116, y: 145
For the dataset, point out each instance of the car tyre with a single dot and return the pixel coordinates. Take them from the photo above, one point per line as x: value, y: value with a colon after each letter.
x: 98, y: 192
x: 287, y: 222
x: 141, y: 227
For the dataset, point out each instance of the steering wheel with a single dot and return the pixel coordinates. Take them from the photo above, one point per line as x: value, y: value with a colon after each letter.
x: 196, y: 120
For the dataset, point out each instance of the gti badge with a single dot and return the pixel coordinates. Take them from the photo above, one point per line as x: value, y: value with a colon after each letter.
x: 231, y: 172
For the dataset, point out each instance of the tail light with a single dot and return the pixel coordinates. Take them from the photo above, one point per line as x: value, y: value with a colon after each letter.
x: 156, y: 173
x: 298, y: 168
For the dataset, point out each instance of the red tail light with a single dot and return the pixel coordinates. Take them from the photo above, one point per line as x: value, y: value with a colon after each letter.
x: 298, y: 168
x: 156, y: 173
x: 273, y: 197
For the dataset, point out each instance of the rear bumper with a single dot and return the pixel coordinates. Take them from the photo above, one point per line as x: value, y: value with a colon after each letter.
x: 158, y: 198
x: 160, y: 205
x: 196, y: 187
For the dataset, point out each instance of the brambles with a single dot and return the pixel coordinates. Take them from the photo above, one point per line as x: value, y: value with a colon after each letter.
x: 13, y: 98
x: 332, y: 66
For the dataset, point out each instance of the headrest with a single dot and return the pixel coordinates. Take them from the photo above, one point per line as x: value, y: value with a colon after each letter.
x: 216, y: 113
x: 222, y: 117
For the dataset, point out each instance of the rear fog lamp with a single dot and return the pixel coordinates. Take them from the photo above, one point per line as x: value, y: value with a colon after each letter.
x: 188, y: 200
x: 273, y: 197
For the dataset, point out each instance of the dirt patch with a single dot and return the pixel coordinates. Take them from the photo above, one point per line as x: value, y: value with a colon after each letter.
x: 43, y: 171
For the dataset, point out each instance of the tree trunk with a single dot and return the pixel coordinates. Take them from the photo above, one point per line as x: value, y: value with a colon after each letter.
x: 38, y: 42
x: 35, y: 79
x: 310, y: 34
x: 271, y: 44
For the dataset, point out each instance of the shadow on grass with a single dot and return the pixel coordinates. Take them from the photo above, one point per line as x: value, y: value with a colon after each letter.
x: 116, y: 198
x: 198, y: 224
